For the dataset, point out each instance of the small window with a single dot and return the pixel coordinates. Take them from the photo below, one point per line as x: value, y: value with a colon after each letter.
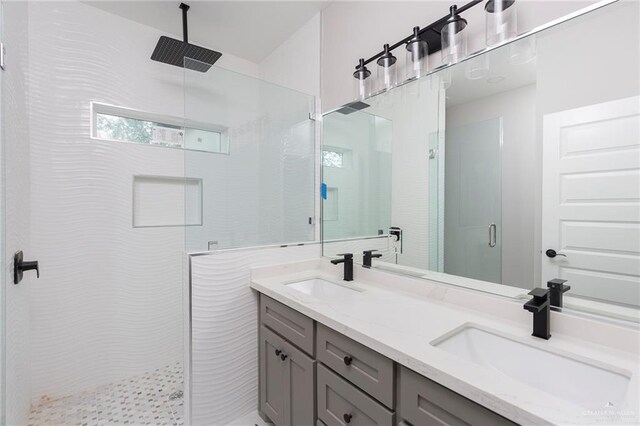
x: 125, y: 125
x: 332, y: 159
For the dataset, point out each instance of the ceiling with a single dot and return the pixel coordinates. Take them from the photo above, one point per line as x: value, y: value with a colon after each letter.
x: 248, y: 29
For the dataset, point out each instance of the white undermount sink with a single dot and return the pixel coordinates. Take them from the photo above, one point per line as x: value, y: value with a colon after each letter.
x: 322, y: 289
x: 584, y: 384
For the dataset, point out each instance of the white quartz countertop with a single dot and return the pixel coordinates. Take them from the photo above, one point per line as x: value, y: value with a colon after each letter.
x: 399, y: 317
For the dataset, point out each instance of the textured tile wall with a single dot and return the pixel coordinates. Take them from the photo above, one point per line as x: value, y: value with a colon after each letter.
x: 224, y: 365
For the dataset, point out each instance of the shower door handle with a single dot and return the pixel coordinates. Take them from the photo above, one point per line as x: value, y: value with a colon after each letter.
x: 492, y: 235
x: 20, y: 265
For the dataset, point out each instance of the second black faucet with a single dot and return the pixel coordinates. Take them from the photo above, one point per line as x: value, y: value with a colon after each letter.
x: 347, y: 259
x: 368, y: 256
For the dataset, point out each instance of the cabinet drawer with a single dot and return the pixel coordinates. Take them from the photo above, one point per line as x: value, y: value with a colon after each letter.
x: 341, y: 403
x: 367, y: 369
x: 290, y: 324
x: 424, y: 402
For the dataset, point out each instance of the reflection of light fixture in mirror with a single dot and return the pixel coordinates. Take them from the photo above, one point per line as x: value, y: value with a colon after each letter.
x: 522, y: 51
x: 454, y: 38
x: 477, y: 67
x: 417, y: 63
x: 441, y: 79
x: 362, y: 83
x: 501, y: 21
x: 387, y: 70
x: 495, y: 79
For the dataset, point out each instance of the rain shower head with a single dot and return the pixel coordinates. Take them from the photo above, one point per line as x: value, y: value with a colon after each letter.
x: 352, y: 107
x: 174, y: 52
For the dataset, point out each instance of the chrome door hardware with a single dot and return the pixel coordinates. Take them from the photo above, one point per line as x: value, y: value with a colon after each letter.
x: 492, y: 235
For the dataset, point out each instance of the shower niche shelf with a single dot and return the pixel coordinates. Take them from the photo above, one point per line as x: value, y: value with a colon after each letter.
x: 160, y: 201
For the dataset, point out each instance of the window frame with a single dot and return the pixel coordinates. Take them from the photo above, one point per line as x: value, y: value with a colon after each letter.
x: 172, y: 121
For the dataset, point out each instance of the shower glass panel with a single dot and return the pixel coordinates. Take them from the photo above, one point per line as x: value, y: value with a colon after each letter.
x: 472, y: 210
x: 356, y: 169
x: 2, y: 275
x: 262, y: 191
x: 259, y: 194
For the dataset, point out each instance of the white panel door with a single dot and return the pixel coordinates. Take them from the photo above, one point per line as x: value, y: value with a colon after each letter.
x: 591, y: 200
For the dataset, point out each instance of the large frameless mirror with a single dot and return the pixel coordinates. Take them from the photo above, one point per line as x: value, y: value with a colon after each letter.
x: 516, y: 166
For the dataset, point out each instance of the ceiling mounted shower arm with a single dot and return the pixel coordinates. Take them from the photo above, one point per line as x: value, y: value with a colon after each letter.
x: 433, y: 26
x: 185, y: 30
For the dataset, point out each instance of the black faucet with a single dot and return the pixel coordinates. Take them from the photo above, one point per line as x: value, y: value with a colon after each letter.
x: 367, y: 256
x: 347, y: 259
x: 540, y: 307
x: 557, y: 289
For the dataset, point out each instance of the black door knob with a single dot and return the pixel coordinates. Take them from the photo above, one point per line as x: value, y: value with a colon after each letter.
x: 20, y: 265
x: 552, y: 253
x: 347, y: 418
x: 348, y: 360
x: 283, y: 356
x: 278, y: 352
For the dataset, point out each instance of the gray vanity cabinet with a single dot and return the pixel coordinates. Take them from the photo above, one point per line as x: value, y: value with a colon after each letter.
x: 313, y: 375
x: 340, y: 403
x: 287, y: 388
x: 424, y: 402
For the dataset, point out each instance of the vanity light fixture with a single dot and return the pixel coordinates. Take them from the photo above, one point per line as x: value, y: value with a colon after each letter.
x: 362, y: 83
x: 387, y: 70
x: 454, y: 37
x: 431, y: 35
x: 500, y: 21
x: 417, y: 62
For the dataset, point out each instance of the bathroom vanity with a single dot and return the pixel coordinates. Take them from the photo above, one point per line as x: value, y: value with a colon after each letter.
x: 389, y: 350
x: 353, y: 383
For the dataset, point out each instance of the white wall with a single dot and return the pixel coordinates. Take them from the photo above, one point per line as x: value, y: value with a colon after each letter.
x: 352, y: 30
x: 18, y: 209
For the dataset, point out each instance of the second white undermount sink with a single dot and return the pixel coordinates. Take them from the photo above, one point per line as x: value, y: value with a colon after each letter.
x: 322, y: 289
x: 586, y: 385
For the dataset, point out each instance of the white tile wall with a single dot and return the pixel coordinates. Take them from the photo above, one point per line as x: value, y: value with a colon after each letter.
x: 224, y: 364
x: 108, y: 303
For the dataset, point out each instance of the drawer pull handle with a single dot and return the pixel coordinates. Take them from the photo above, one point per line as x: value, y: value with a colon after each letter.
x: 347, y: 418
x: 283, y: 357
x: 347, y: 361
x: 278, y: 352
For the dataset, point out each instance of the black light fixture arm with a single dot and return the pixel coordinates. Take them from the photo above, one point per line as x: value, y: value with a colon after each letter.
x: 185, y: 31
x: 423, y: 30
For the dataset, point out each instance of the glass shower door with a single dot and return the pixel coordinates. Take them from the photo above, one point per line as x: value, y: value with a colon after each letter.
x: 473, y: 228
x: 254, y: 196
x: 2, y: 275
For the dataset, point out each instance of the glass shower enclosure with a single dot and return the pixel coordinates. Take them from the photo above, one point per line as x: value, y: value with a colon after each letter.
x: 256, y: 192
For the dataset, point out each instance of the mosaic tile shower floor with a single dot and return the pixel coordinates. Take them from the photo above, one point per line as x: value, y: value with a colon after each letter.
x: 154, y: 398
